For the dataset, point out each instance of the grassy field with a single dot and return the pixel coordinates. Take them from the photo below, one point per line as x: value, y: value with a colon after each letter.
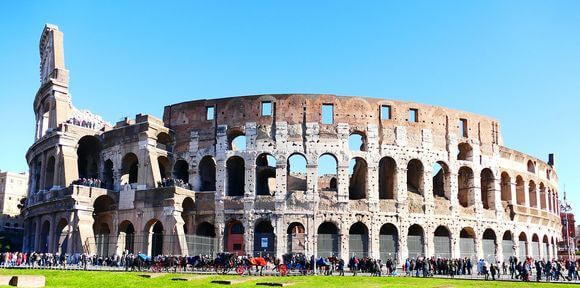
x: 123, y: 279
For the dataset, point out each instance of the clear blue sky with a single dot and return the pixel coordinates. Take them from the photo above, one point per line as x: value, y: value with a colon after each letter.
x: 517, y: 61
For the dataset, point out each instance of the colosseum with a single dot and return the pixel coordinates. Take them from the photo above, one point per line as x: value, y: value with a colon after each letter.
x: 274, y: 174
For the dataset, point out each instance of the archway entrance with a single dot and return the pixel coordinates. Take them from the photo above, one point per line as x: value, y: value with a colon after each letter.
x: 388, y: 241
x: 264, y: 239
x: 442, y: 242
x: 296, y: 238
x: 327, y: 240
x: 358, y: 240
x: 235, y: 237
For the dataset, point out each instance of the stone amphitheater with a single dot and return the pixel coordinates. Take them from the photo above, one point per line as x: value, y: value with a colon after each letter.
x: 276, y: 174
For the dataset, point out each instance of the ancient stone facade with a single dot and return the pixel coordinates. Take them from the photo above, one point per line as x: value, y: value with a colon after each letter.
x: 313, y: 174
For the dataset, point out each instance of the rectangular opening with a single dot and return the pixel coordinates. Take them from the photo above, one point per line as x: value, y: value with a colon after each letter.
x: 266, y: 108
x: 385, y: 112
x: 327, y: 113
x: 210, y: 112
x: 413, y: 115
x: 237, y: 247
x: 463, y: 127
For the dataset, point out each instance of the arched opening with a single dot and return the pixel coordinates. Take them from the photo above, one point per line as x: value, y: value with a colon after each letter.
x: 156, y: 232
x: 389, y: 242
x: 44, y: 237
x: 236, y: 174
x: 164, y: 141
x: 103, y: 208
x: 237, y: 141
x: 88, y: 155
x: 265, y: 175
x: 44, y: 119
x: 467, y: 244
x: 522, y: 242
x: 207, y: 174
x: 102, y: 236
x: 535, y: 247
x: 532, y: 194
x: 327, y: 170
x: 442, y: 242
x: 489, y: 244
x: 542, y: 196
x: 531, y: 167
x: 296, y: 235
x: 358, y: 240
x: 328, y: 240
x: 235, y: 238
x: 507, y: 244
x: 466, y: 185
x: 357, y: 187
x: 32, y: 237
x: 62, y: 236
x: 333, y: 184
x: 188, y: 214
x: 415, y: 177
x: 296, y: 169
x: 264, y: 239
x: 415, y: 241
x: 181, y: 172
x: 487, y: 189
x: 465, y: 152
x: 49, y: 175
x: 205, y: 238
x: 130, y: 171
x: 506, y: 187
x: 108, y: 181
x: 127, y: 236
x: 164, y: 165
x: 550, y: 197
x: 357, y: 141
x: 520, y: 191
x: 441, y: 181
x: 387, y: 178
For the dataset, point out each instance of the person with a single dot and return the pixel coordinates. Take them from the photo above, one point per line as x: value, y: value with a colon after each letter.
x: 493, y: 271
x: 341, y: 267
x: 484, y: 270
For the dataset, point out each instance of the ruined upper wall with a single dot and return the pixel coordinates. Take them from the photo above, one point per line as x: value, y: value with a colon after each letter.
x: 358, y: 112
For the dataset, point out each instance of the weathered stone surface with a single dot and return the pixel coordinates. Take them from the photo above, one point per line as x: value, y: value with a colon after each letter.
x: 31, y: 281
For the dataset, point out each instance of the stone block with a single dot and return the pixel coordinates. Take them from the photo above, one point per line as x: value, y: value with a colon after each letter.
x: 28, y: 281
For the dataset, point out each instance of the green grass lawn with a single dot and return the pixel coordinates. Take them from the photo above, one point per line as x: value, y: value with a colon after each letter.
x: 123, y: 279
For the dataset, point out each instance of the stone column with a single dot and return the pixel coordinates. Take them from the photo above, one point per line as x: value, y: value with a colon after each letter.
x: 281, y: 235
x: 429, y: 243
x: 514, y: 188
x: 428, y: 197
x: 401, y: 193
x: 527, y: 193
x: 453, y: 198
x: 373, y: 187
x: 538, y: 202
x: 343, y: 183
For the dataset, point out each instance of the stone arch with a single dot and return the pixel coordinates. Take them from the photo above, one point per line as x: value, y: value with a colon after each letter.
x: 236, y: 175
x: 535, y: 247
x: 49, y: 173
x: 296, y: 238
x: 465, y: 181
x: 103, y: 208
x: 387, y: 178
x: 88, y: 155
x: 236, y: 140
x: 155, y: 232
x: 207, y: 174
x: 358, y: 240
x: 62, y: 236
x: 416, y: 241
x: 441, y: 180
x: 415, y: 177
x: 264, y: 238
x: 522, y: 243
x: 487, y: 180
x: 389, y: 242
x: 465, y: 152
x: 265, y: 174
x: 531, y: 166
x: 520, y: 191
x: 163, y: 141
x: 181, y: 171
x: 188, y: 214
x: 328, y: 240
x: 532, y: 194
x: 507, y: 243
x: 543, y: 196
x: 164, y: 166
x: 442, y: 242
x: 102, y: 234
x: 357, y: 141
x: 489, y: 245
x: 130, y: 169
x: 327, y: 170
x: 296, y: 178
x: 127, y: 236
x: 545, y: 247
x: 358, y: 170
x: 234, y: 237
x: 506, y: 187
x: 467, y: 243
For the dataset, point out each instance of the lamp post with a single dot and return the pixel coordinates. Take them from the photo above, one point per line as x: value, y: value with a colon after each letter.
x: 566, y: 208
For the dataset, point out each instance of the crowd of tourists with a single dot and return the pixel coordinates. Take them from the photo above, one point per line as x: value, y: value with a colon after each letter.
x: 90, y: 182
x: 171, y: 182
x: 527, y: 269
x: 82, y: 123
